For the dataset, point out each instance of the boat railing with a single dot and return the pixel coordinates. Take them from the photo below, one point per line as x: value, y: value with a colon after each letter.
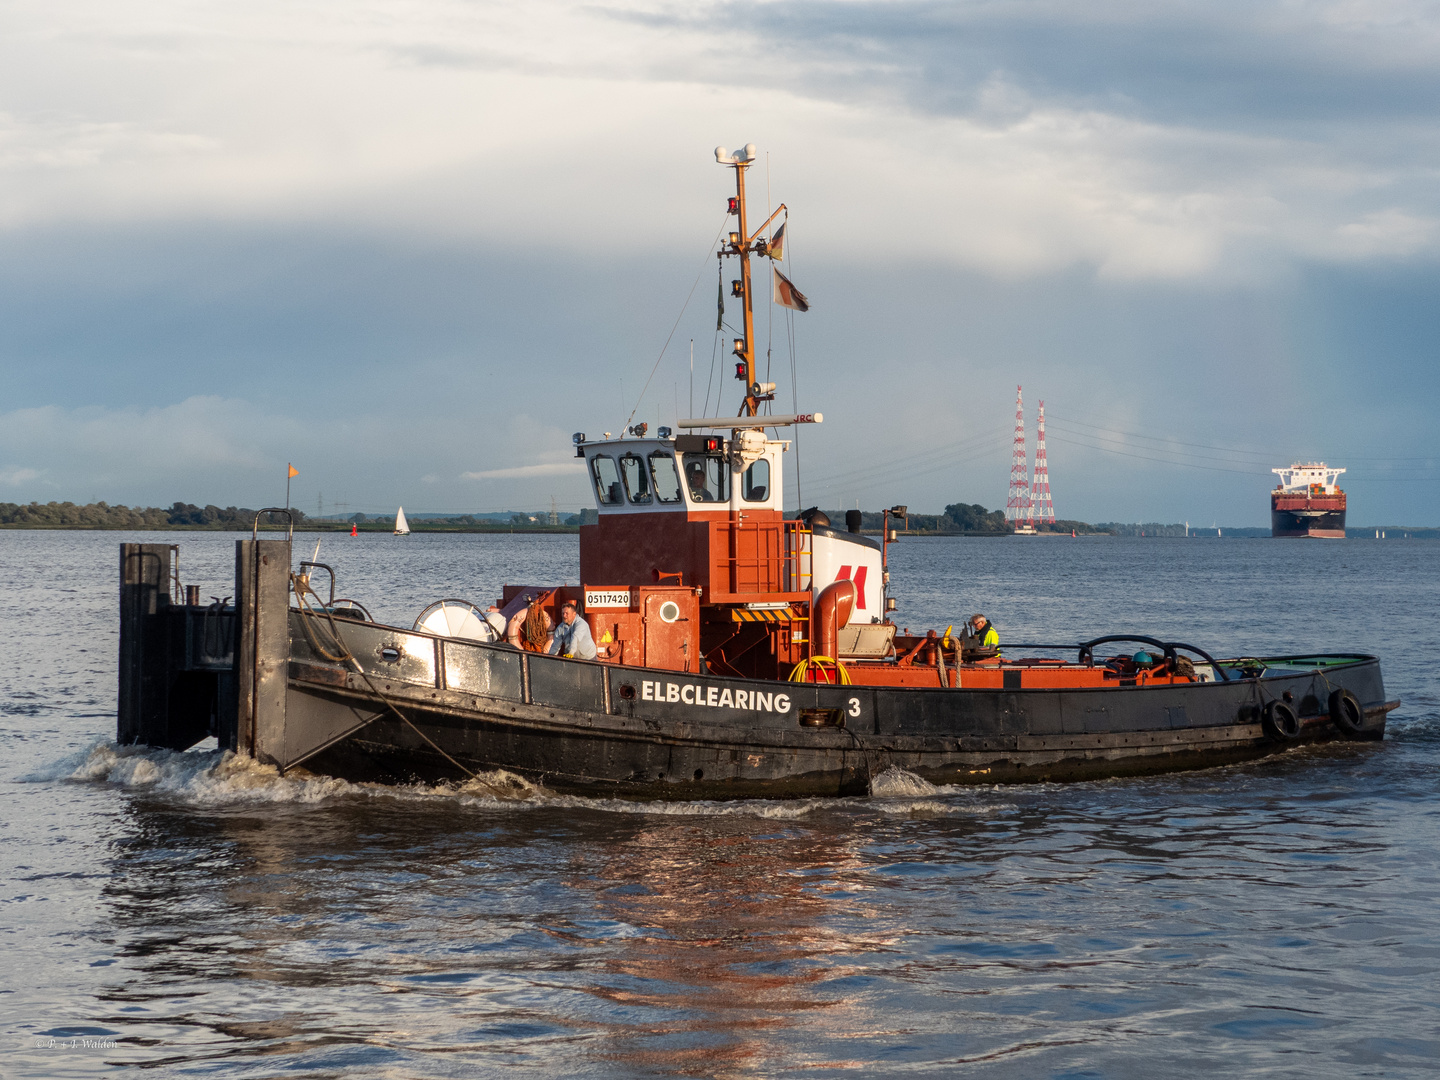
x: 1087, y: 649
x: 289, y: 518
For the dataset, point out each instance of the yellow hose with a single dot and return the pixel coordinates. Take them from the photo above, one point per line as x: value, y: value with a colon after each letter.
x: 798, y: 674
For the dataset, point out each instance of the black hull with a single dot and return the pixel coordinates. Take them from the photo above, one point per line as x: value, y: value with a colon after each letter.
x: 371, y: 702
x: 596, y: 729
x: 1285, y: 524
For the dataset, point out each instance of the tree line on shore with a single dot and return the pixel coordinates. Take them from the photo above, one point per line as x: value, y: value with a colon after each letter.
x: 966, y: 519
x: 101, y: 515
x: 188, y: 516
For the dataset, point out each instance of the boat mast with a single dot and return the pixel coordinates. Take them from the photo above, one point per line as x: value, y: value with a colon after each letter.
x: 742, y: 243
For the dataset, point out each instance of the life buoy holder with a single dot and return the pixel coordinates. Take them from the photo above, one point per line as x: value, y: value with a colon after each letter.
x: 1347, y: 714
x: 1280, y: 721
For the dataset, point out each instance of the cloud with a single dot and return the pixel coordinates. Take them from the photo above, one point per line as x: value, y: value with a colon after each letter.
x: 230, y: 450
x: 14, y: 477
x: 1016, y: 137
x: 522, y: 472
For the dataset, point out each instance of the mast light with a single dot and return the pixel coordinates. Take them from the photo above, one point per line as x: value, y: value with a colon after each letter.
x: 733, y: 205
x: 737, y: 288
x: 734, y: 239
x: 740, y: 371
x: 740, y: 346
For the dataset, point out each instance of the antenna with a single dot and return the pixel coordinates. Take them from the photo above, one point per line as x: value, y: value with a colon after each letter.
x: 1017, y: 505
x: 1041, y: 509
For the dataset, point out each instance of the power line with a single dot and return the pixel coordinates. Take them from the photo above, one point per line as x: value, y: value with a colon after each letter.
x: 1265, y: 454
x: 1163, y: 461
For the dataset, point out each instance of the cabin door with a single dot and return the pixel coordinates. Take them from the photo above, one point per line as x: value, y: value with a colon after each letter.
x: 672, y: 630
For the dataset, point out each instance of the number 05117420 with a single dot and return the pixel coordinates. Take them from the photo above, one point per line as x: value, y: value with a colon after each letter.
x: 606, y: 598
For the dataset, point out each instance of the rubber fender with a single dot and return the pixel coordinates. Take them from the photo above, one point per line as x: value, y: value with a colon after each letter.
x: 1280, y: 722
x: 1346, y: 713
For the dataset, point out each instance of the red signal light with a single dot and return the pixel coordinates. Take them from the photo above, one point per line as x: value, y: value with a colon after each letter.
x: 712, y: 444
x: 733, y: 205
x: 740, y: 370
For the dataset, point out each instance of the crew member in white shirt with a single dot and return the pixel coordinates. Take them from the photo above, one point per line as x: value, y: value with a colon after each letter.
x: 572, y: 636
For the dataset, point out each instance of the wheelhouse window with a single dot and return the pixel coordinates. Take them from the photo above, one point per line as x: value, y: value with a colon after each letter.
x: 607, y: 480
x: 666, y: 478
x: 756, y: 484
x: 708, y: 477
x: 637, y: 480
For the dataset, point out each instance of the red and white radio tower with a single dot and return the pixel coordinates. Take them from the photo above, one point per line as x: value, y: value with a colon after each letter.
x: 1042, y: 512
x: 1017, y: 505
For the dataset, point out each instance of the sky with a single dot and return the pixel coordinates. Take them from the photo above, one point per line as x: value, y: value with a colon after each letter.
x: 412, y: 246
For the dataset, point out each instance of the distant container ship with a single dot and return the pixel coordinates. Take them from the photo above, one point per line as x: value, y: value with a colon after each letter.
x: 1306, y: 502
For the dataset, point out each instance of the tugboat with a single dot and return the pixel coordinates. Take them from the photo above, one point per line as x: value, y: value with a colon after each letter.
x: 1306, y: 502
x: 738, y: 652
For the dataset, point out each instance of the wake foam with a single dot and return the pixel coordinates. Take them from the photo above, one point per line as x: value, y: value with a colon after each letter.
x: 897, y: 791
x: 220, y: 778
x: 208, y: 778
x: 895, y: 782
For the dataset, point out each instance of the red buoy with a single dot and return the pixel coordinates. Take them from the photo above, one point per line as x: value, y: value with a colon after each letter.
x: 354, y: 529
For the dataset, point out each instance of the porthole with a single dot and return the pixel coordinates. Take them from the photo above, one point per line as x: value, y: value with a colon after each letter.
x: 669, y: 611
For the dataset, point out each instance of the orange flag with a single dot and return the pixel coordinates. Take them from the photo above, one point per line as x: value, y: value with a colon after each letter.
x: 293, y: 472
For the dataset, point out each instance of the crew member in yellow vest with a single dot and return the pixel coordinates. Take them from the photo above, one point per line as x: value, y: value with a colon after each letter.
x: 986, y: 636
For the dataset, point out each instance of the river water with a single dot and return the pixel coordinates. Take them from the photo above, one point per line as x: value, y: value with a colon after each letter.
x: 201, y: 916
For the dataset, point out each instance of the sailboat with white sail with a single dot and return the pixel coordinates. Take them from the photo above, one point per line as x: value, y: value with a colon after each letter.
x: 402, y: 527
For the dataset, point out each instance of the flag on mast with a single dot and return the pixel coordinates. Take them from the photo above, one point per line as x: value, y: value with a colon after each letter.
x: 776, y: 248
x: 720, y: 298
x: 294, y: 472
x: 786, y: 295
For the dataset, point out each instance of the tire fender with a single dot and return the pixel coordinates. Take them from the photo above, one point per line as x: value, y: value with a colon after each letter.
x: 1280, y: 721
x: 1347, y: 714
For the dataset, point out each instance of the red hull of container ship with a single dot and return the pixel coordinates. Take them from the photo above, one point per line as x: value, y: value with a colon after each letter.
x: 1298, y: 515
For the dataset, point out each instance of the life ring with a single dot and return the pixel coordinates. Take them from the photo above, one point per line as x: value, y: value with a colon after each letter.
x: 1347, y: 714
x: 1280, y: 721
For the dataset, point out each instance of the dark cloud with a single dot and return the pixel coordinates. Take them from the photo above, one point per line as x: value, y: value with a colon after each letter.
x: 1257, y: 67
